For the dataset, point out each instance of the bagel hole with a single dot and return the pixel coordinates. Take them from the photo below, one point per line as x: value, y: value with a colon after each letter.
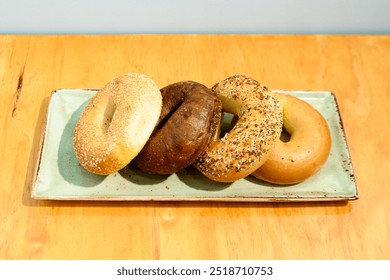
x: 165, y: 119
x: 228, y: 122
x: 109, y: 114
x: 285, y: 136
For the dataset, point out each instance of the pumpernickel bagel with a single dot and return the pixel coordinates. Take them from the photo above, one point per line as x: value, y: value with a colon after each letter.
x: 190, y: 117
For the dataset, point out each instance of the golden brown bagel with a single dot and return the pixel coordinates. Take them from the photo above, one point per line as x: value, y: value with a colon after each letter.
x: 190, y: 117
x: 116, y: 123
x: 307, y: 150
x: 239, y: 152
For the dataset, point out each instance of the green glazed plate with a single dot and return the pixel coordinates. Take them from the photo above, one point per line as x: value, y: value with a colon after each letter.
x: 59, y: 176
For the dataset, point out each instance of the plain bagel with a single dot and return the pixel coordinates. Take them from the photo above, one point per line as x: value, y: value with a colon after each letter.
x: 307, y: 149
x: 116, y: 123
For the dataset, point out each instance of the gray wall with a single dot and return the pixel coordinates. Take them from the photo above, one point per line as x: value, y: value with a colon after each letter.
x: 195, y: 16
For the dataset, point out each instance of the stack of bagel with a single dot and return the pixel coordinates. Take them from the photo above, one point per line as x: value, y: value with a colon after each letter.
x: 162, y: 131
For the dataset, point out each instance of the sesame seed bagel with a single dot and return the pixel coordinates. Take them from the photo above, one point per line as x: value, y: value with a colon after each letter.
x: 307, y: 149
x: 240, y: 152
x: 116, y: 123
x: 190, y: 116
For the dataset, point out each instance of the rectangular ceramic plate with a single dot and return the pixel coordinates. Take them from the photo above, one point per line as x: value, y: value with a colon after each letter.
x: 60, y: 177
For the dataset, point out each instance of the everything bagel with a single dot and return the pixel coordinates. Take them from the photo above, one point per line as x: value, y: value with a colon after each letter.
x: 116, y: 123
x: 307, y: 149
x: 247, y: 146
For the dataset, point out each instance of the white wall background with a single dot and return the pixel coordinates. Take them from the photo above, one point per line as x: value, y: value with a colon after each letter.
x: 195, y: 16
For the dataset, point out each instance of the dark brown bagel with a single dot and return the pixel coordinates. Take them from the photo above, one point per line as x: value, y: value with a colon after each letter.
x: 190, y: 118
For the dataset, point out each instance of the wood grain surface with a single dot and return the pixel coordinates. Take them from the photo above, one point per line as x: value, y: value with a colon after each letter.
x: 355, y: 68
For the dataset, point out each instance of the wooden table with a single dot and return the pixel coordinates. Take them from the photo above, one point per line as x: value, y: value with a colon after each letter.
x: 355, y: 68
